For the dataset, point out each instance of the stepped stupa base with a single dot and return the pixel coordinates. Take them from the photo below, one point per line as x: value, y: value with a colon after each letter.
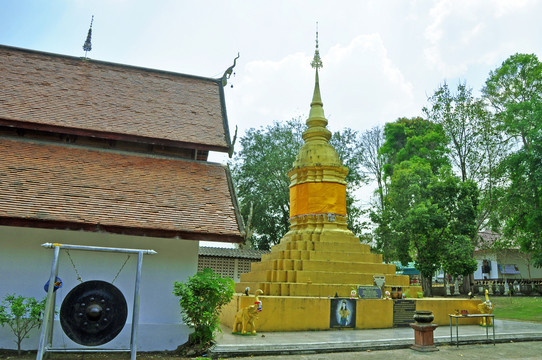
x: 292, y: 313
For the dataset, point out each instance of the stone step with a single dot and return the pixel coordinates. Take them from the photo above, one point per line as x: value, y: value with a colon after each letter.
x: 323, y: 246
x: 378, y: 268
x: 313, y: 290
x: 321, y: 277
x: 322, y: 265
x: 323, y: 255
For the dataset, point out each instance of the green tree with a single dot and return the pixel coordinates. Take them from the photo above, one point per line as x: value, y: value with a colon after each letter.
x: 372, y: 162
x: 369, y: 144
x: 514, y: 90
x: 260, y: 172
x: 22, y: 315
x: 414, y: 150
x: 416, y: 137
x: 462, y: 119
x: 458, y: 203
x: 201, y: 298
x: 345, y: 142
x: 404, y: 140
x: 429, y: 209
x: 475, y: 150
x: 413, y: 219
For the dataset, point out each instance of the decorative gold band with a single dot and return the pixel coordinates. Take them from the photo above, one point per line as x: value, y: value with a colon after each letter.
x: 318, y: 198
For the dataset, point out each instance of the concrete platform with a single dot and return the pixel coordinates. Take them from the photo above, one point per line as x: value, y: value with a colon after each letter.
x: 307, y: 342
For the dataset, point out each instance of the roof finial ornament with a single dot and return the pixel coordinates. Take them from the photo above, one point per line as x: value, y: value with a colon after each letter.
x: 87, y: 46
x: 317, y: 60
x: 229, y: 71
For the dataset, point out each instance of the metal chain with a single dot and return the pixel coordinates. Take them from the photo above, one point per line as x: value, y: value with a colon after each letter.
x: 79, y: 276
x: 74, y: 268
x: 122, y: 267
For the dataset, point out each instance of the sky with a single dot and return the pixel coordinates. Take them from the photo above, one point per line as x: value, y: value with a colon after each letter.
x: 381, y: 59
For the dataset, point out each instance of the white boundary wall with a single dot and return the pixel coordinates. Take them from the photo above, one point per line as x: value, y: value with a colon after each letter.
x: 25, y: 267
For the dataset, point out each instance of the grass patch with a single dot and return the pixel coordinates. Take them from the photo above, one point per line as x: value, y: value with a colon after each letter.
x: 518, y: 308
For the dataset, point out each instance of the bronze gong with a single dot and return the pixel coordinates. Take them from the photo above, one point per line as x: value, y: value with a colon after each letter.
x: 93, y: 313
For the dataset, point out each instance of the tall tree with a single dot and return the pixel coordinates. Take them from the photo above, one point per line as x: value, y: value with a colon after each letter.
x: 345, y: 143
x: 369, y: 144
x: 414, y: 150
x: 372, y: 162
x: 430, y: 211
x: 461, y: 117
x: 260, y: 171
x: 515, y: 92
x: 458, y: 202
x: 416, y: 137
x: 473, y: 146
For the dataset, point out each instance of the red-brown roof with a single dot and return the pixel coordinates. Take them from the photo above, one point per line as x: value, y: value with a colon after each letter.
x: 71, y: 95
x: 488, y: 239
x: 64, y: 186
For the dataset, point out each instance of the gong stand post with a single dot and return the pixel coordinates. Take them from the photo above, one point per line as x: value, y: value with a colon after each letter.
x: 46, y: 335
x: 48, y: 315
x: 135, y: 312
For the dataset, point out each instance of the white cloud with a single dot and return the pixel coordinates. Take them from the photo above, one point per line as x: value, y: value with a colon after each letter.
x: 267, y: 91
x: 377, y: 91
x: 469, y: 34
x: 372, y: 91
x: 505, y: 7
x: 433, y: 32
x: 462, y: 33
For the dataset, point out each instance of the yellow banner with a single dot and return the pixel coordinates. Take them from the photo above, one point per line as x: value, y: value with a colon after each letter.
x: 318, y: 198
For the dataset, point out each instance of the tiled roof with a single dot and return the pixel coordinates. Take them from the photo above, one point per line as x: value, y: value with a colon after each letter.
x: 78, y: 96
x: 63, y: 186
x: 487, y: 239
x: 232, y: 253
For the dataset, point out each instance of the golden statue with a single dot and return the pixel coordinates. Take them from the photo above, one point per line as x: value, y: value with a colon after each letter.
x: 246, y: 316
x: 486, y: 307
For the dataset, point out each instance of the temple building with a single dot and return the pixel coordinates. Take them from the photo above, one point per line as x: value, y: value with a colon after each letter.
x: 103, y: 154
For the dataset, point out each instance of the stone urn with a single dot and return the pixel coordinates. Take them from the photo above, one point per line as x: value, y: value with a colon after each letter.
x: 423, y: 331
x: 423, y: 316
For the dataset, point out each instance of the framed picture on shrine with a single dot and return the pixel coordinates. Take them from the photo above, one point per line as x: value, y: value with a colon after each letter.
x: 342, y: 313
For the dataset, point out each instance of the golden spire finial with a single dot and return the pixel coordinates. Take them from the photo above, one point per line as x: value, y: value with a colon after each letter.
x: 317, y: 121
x: 317, y: 60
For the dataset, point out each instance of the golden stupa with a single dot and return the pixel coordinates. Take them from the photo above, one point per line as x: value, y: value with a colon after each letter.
x: 319, y: 259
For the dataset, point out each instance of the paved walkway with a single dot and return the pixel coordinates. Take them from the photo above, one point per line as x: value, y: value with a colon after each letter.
x: 502, y: 351
x: 323, y: 344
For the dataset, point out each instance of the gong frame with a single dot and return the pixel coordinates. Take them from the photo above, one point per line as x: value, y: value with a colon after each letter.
x: 46, y: 335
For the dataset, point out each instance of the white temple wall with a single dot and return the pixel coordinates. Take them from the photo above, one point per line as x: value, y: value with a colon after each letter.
x: 512, y: 257
x: 25, y: 267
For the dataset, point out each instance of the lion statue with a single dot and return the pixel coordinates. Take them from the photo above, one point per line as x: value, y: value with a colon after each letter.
x: 246, y: 316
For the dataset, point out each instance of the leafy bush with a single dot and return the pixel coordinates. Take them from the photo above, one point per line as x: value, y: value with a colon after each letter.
x: 22, y: 315
x: 201, y: 298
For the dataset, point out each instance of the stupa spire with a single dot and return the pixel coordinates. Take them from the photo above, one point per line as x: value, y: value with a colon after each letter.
x: 317, y: 60
x: 317, y: 180
x: 317, y: 121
